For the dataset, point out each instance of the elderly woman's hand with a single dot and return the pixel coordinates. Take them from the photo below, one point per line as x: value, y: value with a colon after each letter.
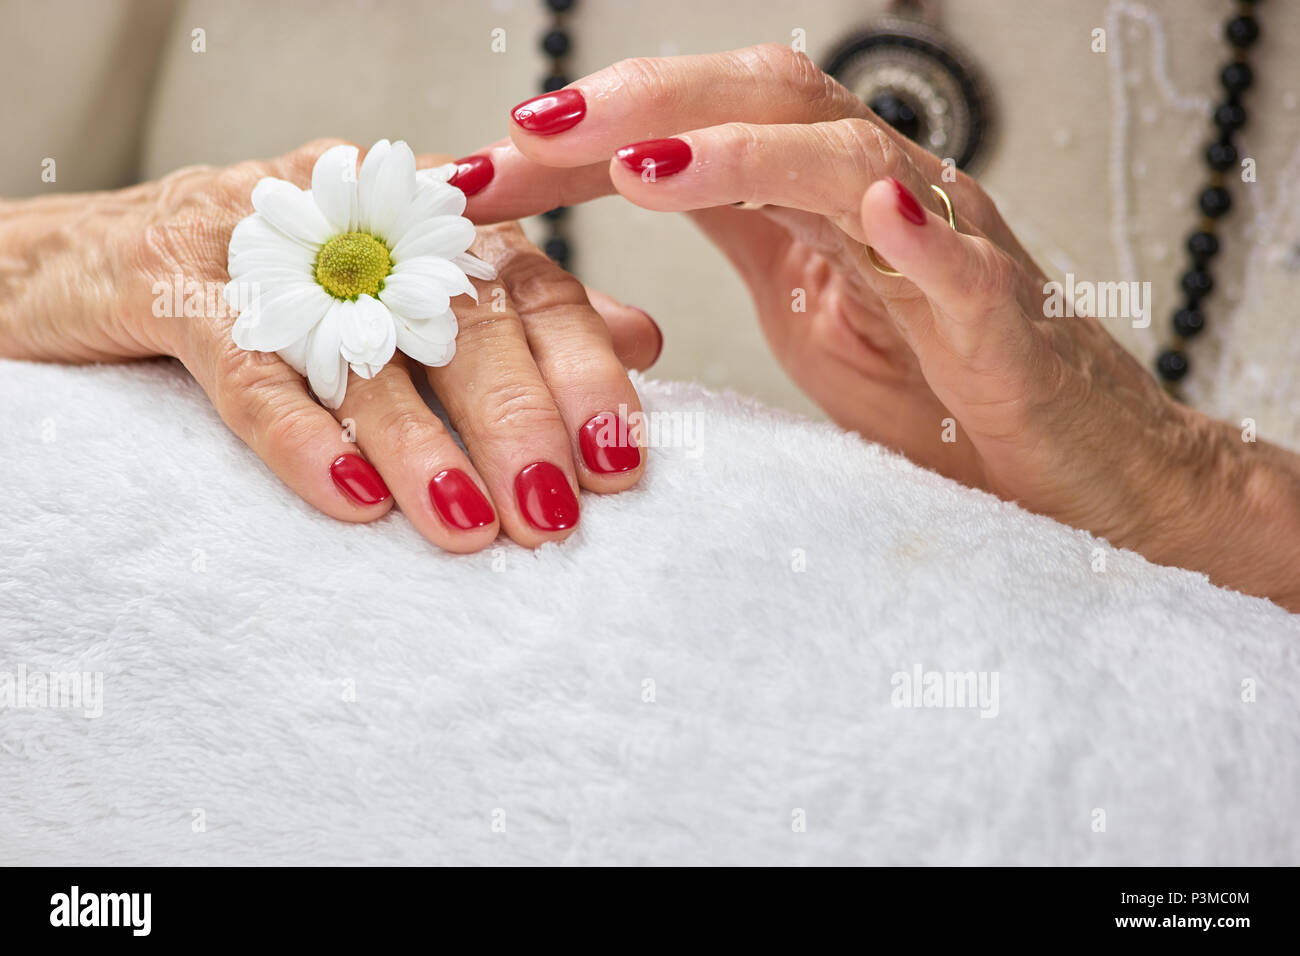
x: 81, y: 279
x: 1053, y: 413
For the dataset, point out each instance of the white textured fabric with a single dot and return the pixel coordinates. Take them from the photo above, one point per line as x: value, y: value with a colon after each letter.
x: 233, y: 624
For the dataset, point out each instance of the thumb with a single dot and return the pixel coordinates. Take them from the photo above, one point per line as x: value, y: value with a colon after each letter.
x: 970, y: 285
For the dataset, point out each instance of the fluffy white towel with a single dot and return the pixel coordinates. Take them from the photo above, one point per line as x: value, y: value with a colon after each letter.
x: 706, y: 672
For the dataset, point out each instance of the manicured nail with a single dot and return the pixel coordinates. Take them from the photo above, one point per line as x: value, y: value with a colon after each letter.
x: 545, y: 497
x: 908, y: 207
x: 552, y: 113
x: 459, y: 501
x: 358, y: 479
x: 606, y: 446
x: 472, y: 174
x: 656, y: 158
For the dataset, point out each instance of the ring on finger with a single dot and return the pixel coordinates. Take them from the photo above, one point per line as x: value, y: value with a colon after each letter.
x: 879, y: 264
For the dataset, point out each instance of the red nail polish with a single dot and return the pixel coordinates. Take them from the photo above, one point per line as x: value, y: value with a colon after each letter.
x: 358, y: 479
x: 908, y: 207
x: 472, y: 174
x: 656, y: 158
x: 552, y: 113
x: 545, y: 497
x: 459, y: 501
x: 606, y: 446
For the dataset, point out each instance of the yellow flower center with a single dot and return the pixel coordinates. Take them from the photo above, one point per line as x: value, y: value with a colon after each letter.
x: 353, y: 264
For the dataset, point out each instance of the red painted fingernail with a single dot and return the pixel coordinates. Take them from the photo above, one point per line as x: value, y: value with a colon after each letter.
x: 656, y: 158
x: 552, y: 113
x: 459, y: 501
x: 908, y: 207
x: 545, y: 497
x: 358, y: 479
x: 606, y: 446
x: 472, y: 174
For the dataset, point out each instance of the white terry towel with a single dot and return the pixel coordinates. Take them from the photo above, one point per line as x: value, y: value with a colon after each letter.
x: 708, y: 671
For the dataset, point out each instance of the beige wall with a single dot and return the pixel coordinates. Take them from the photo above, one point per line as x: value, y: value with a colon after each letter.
x: 1096, y: 160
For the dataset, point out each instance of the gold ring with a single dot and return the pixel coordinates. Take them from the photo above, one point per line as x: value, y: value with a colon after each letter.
x: 952, y: 221
x: 749, y: 205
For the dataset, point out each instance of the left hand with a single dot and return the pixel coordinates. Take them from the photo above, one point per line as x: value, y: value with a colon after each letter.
x: 1054, y: 414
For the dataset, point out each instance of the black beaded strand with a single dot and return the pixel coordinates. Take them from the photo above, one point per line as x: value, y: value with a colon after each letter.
x: 1214, y: 202
x: 556, y: 43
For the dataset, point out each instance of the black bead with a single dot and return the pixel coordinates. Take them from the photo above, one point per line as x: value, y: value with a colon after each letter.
x: 1197, y: 283
x: 1203, y: 246
x: 1215, y: 202
x: 1230, y: 117
x: 1221, y: 155
x: 557, y: 248
x: 1237, y: 77
x: 556, y: 43
x: 897, y: 113
x: 560, y: 6
x: 556, y: 214
x: 556, y: 81
x: 1188, y: 322
x: 1172, y: 365
x: 1242, y: 32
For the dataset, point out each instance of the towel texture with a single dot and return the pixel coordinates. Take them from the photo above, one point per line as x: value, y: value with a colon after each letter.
x: 710, y: 671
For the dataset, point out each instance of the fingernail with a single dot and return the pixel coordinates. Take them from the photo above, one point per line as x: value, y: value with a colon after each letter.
x: 358, y: 479
x: 472, y: 174
x: 552, y: 113
x: 459, y: 501
x: 655, y: 158
x: 606, y: 446
x: 908, y: 207
x: 545, y: 497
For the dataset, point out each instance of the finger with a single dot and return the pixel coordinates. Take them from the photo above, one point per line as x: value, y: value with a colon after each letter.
x: 646, y: 98
x: 432, y: 480
x: 821, y: 168
x: 637, y: 338
x: 497, y: 400
x: 503, y: 185
x: 974, y: 311
x: 266, y: 403
x: 574, y: 352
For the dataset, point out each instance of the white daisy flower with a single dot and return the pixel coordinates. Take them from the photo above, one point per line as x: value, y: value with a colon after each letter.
x: 359, y: 265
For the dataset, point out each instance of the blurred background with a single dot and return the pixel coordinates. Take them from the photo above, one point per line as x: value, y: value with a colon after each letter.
x: 1095, y: 158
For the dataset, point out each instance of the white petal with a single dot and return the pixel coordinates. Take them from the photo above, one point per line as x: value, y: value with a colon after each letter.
x: 334, y: 187
x: 367, y: 334
x: 392, y: 190
x: 366, y: 181
x: 437, y: 174
x: 431, y: 199
x: 291, y: 210
x: 438, y: 273
x: 289, y: 255
x: 474, y: 266
x: 442, y: 236
x: 413, y: 296
x: 327, y: 370
x: 278, y: 318
x: 254, y: 233
x: 296, y: 355
x: 431, y: 342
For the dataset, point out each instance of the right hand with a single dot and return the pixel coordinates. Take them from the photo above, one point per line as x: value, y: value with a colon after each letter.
x: 535, y: 361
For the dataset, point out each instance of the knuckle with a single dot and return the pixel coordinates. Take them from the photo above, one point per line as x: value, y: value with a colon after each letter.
x: 399, y: 428
x: 520, y: 408
x: 867, y: 143
x: 647, y: 79
x: 795, y: 69
x: 535, y: 283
